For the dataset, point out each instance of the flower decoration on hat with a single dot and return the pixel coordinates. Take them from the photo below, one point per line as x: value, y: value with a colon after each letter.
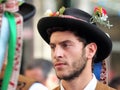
x: 57, y: 13
x: 100, y: 16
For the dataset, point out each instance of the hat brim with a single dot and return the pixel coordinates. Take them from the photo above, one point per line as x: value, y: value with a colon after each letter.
x: 27, y: 11
x: 87, y: 30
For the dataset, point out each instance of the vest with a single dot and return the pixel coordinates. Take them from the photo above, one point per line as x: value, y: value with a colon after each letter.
x: 100, y: 86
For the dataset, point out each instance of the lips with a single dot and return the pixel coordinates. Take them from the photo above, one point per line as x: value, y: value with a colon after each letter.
x: 59, y: 64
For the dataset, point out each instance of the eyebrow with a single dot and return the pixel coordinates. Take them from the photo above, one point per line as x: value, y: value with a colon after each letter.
x: 65, y: 41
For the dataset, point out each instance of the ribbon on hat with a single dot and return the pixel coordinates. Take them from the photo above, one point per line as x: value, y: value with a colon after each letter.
x: 100, y: 71
x: 18, y: 53
x: 4, y: 36
x: 97, y: 69
x: 11, y: 50
x: 10, y: 6
x: 11, y: 73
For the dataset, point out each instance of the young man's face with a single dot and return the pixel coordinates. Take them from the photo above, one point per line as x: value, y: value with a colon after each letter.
x: 68, y: 54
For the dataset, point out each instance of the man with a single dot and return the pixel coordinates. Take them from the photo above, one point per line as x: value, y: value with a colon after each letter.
x: 39, y: 70
x: 76, y: 44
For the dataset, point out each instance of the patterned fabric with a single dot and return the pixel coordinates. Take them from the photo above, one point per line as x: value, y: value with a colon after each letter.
x: 103, y: 75
x: 100, y: 71
x: 18, y: 53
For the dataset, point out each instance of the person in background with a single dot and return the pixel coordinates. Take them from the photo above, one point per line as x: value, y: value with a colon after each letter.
x: 24, y: 83
x: 115, y: 83
x: 76, y: 44
x: 38, y: 70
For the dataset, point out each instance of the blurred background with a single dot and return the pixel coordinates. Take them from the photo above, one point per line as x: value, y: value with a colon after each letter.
x: 35, y: 47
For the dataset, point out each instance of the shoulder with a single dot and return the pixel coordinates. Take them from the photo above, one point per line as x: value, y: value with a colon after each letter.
x: 101, y: 86
x: 24, y: 83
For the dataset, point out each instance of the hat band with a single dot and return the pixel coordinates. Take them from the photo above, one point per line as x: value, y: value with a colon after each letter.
x: 68, y: 16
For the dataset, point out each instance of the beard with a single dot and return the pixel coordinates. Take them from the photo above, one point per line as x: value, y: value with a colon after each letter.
x: 76, y: 71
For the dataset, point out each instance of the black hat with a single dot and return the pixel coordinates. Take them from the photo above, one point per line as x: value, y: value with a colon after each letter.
x: 77, y: 19
x: 27, y: 11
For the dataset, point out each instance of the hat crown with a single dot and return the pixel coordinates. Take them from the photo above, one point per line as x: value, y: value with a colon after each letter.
x: 77, y: 13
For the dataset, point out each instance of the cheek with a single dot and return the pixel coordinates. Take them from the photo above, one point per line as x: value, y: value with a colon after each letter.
x: 27, y: 73
x: 52, y: 59
x: 38, y: 76
x: 51, y: 54
x: 74, y: 53
x: 78, y: 58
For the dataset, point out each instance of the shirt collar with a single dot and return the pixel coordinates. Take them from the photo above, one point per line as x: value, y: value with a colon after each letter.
x: 61, y: 87
x: 91, y: 85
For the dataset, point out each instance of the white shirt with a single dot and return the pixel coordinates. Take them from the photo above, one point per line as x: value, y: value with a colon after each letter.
x: 38, y: 86
x: 91, y: 85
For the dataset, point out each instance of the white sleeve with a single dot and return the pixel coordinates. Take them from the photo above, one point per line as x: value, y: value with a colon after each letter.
x: 38, y: 86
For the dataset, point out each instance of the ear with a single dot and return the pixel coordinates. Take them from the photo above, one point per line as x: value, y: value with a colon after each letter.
x: 91, y: 50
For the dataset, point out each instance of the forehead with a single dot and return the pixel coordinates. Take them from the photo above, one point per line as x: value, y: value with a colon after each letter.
x: 62, y: 35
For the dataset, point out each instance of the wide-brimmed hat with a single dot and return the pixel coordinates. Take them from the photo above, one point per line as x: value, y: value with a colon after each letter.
x: 79, y: 20
x: 27, y: 11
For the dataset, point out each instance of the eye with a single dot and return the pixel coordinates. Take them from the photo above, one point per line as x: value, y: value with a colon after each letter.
x: 52, y: 46
x: 66, y: 45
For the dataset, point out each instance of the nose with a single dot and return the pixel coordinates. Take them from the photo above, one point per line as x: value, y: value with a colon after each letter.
x: 58, y: 52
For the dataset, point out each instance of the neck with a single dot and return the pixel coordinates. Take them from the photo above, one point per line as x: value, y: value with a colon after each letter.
x: 79, y: 83
x: 43, y: 81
